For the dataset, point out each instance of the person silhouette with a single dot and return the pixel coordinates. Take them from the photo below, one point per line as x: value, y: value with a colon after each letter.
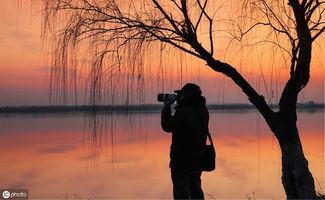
x: 188, y: 126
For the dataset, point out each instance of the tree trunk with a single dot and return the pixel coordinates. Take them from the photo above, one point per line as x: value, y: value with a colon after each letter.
x: 297, y: 180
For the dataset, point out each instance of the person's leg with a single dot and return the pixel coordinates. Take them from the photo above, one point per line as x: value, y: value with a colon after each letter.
x: 195, y: 184
x: 181, y: 184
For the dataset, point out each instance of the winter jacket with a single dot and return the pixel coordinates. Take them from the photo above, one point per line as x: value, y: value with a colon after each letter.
x: 189, y: 132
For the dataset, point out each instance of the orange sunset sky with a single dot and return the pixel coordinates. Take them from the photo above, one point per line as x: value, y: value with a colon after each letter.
x: 24, y: 69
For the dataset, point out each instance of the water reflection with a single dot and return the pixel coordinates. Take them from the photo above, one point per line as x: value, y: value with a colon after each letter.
x: 119, y: 155
x: 105, y: 132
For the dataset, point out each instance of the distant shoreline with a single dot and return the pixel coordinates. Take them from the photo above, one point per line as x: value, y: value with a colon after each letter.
x: 146, y: 107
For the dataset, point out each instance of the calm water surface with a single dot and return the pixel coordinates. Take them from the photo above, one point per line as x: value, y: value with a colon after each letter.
x: 76, y: 156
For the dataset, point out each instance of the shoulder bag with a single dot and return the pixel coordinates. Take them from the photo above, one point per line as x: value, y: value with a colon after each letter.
x: 209, y: 156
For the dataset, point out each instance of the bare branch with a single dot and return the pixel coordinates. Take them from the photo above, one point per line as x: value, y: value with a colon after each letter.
x: 188, y: 23
x: 171, y: 21
x: 172, y: 43
x: 319, y: 21
x: 307, y: 5
x: 201, y: 14
x: 210, y: 25
x: 284, y: 29
x: 322, y: 30
x: 176, y: 4
x: 311, y: 10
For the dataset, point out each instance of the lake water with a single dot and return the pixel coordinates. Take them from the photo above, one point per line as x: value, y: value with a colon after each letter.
x: 77, y: 156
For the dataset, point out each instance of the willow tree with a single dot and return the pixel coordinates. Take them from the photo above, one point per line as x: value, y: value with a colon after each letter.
x: 116, y: 27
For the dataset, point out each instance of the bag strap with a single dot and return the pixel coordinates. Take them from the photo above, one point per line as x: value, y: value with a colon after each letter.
x: 210, y: 138
x: 205, y: 128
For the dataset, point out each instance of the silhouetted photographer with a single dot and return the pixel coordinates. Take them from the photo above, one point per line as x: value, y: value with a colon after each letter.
x: 189, y: 127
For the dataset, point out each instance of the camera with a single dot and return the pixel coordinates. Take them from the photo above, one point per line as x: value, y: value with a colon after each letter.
x: 167, y: 97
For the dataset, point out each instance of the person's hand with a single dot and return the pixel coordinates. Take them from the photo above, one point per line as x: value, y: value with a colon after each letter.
x: 167, y: 103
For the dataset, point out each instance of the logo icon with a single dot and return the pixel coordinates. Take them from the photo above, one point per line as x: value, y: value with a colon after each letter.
x: 6, y: 194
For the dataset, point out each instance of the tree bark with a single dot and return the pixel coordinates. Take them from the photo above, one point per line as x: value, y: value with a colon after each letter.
x: 297, y: 180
